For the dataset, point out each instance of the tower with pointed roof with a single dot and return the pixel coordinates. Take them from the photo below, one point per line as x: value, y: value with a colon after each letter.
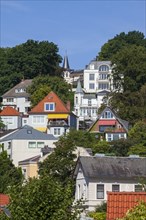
x: 78, y: 97
x: 67, y: 70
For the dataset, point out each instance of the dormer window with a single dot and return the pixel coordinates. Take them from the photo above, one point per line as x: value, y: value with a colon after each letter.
x: 49, y: 106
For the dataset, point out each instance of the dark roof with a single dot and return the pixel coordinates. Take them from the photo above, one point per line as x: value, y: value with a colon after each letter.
x: 34, y: 159
x: 118, y: 203
x: 23, y: 84
x: 114, y: 168
x: 66, y: 63
x: 28, y: 133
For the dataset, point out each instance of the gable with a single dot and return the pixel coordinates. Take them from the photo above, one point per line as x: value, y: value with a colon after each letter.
x: 9, y: 111
x: 50, y: 104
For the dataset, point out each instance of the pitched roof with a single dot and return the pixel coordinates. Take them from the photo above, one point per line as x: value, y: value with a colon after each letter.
x: 28, y: 133
x: 60, y: 107
x: 9, y: 111
x: 118, y: 203
x: 34, y: 159
x: 79, y: 88
x: 113, y: 168
x: 124, y: 123
x: 66, y: 63
x: 22, y: 85
x: 4, y: 199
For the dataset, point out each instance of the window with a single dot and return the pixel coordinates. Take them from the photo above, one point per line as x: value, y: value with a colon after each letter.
x: 115, y: 188
x: 78, y: 191
x: 40, y: 144
x: 9, y: 145
x: 107, y: 114
x: 103, y: 76
x: 8, y: 120
x: 104, y: 68
x: 76, y: 100
x: 32, y: 144
x: 84, y: 191
x: 109, y: 137
x: 38, y: 119
x: 103, y: 86
x: 49, y: 106
x: 56, y: 131
x: 25, y: 121
x: 100, y: 191
x: 10, y: 100
x: 115, y: 137
x: 91, y: 66
x: 138, y: 188
x: 91, y: 76
x: 89, y: 102
x: 91, y: 86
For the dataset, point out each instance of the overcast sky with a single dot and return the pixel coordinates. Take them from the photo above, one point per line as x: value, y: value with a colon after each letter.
x: 79, y: 27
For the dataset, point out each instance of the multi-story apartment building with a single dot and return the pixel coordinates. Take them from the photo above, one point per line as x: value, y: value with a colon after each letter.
x: 97, y: 84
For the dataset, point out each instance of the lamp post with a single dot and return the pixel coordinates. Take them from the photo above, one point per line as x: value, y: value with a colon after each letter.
x: 6, y: 211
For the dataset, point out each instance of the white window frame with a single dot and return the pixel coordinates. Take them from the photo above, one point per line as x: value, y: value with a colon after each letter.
x: 50, y: 105
x: 30, y: 142
x: 114, y: 189
x: 38, y: 119
x: 92, y: 76
x: 40, y: 144
x: 100, y: 193
x: 57, y: 131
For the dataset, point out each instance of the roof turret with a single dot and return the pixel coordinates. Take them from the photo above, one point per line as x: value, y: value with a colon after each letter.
x: 79, y: 87
x: 66, y: 63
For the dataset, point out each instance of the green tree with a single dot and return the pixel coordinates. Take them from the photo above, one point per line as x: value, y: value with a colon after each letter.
x: 138, y: 132
x: 136, y: 213
x: 9, y: 174
x: 119, y: 41
x: 42, y: 85
x: 130, y: 68
x: 28, y: 60
x: 41, y: 199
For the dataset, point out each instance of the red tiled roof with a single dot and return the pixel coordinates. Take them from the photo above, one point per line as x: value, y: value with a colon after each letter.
x: 118, y: 203
x: 60, y: 107
x: 9, y: 111
x: 4, y: 199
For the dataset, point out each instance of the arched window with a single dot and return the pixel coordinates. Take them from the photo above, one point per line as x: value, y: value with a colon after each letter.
x: 76, y: 100
x: 103, y: 68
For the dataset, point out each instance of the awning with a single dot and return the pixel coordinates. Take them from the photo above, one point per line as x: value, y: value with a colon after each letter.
x: 58, y: 116
x: 106, y: 122
x: 43, y: 129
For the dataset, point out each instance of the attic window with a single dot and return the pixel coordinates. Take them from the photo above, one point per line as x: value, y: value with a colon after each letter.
x: 107, y: 114
x: 49, y: 106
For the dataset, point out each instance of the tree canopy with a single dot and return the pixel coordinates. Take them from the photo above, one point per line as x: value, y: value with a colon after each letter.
x: 120, y: 41
x: 42, y: 85
x: 9, y: 174
x: 27, y: 61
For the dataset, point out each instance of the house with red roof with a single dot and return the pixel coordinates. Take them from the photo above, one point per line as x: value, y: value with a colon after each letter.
x: 110, y: 126
x: 11, y: 118
x: 118, y: 203
x: 52, y: 116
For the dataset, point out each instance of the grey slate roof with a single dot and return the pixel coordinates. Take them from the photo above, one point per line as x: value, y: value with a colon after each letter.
x: 79, y: 88
x: 28, y: 133
x: 66, y: 63
x: 23, y: 84
x: 30, y: 160
x: 113, y: 168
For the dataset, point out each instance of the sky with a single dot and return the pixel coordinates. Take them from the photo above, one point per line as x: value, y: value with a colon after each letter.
x: 79, y: 28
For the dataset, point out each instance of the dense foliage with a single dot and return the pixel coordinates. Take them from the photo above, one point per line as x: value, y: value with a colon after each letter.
x: 9, y: 174
x: 27, y: 61
x: 119, y: 41
x: 42, y: 85
x: 136, y: 213
x: 127, y: 52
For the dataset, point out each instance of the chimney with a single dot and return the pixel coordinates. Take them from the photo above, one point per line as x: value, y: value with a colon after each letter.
x: 68, y: 105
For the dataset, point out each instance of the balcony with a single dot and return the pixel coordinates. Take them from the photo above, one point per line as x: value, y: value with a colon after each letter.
x: 57, y: 123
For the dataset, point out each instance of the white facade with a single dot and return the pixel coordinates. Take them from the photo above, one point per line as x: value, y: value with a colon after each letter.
x: 87, y: 190
x: 19, y: 150
x: 97, y: 84
x: 22, y: 104
x: 98, y: 77
x: 11, y: 122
